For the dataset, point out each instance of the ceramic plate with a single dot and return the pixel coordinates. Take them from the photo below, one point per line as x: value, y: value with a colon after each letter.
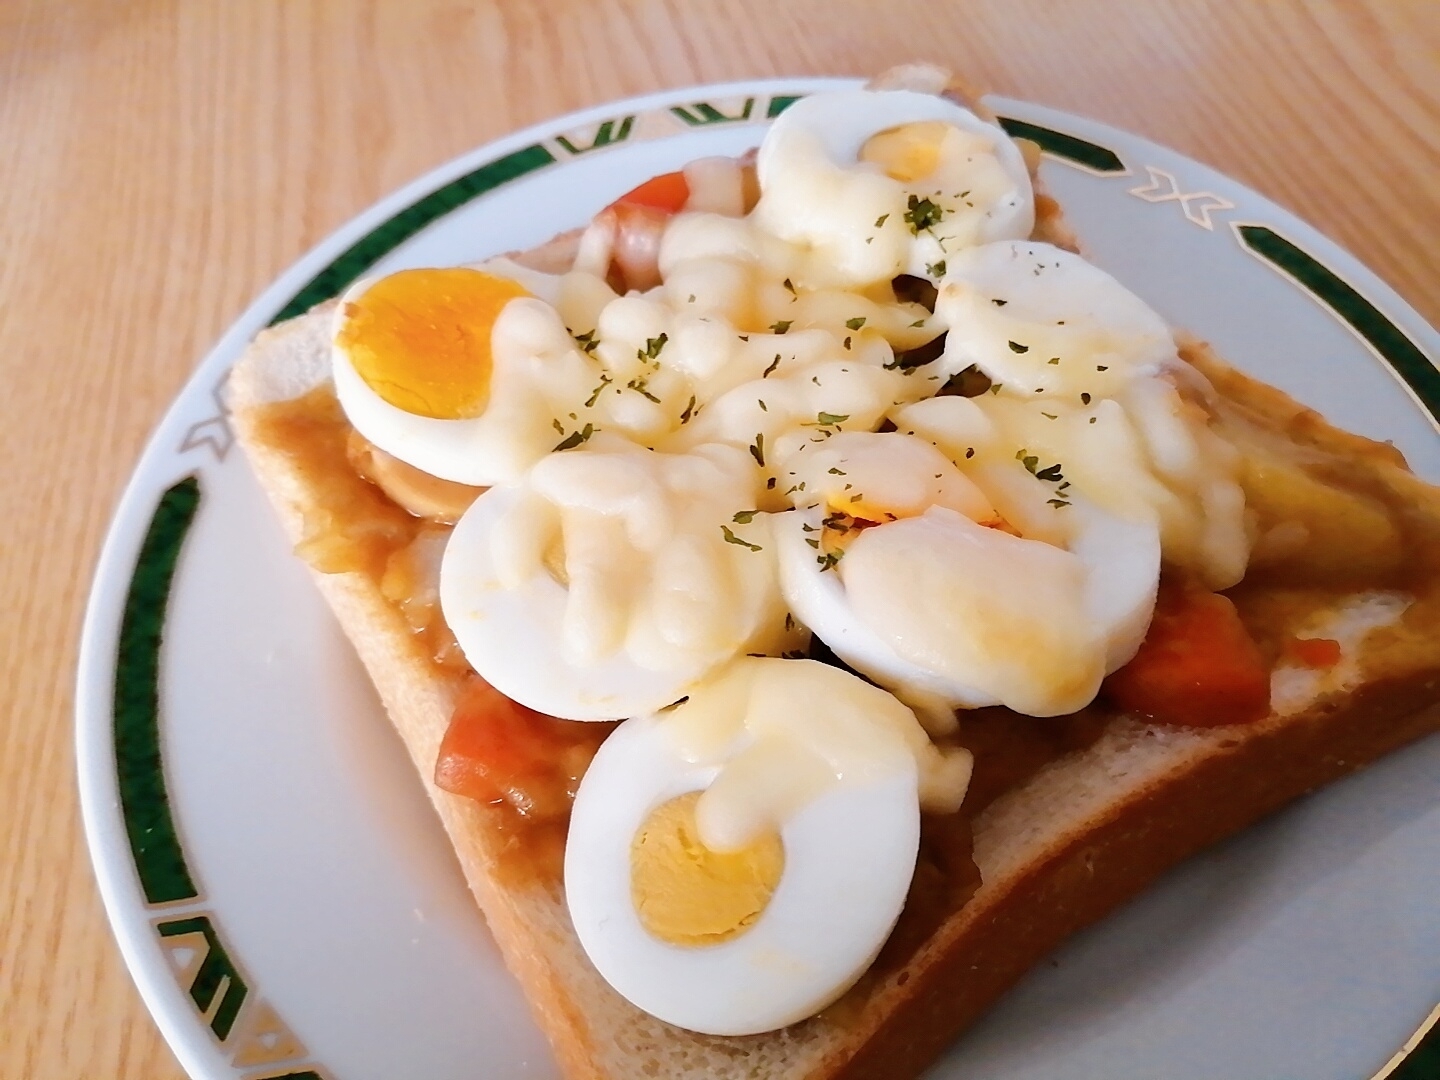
x: 288, y: 903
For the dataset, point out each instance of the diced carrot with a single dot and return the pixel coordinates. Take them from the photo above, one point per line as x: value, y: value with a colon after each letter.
x: 1197, y: 667
x: 496, y: 750
x: 668, y: 193
x: 1316, y: 653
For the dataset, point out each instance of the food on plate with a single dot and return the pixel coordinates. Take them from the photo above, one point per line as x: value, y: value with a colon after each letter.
x: 717, y: 841
x: 814, y: 589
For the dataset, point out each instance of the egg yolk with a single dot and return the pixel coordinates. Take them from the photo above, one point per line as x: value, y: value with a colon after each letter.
x: 862, y: 509
x: 908, y: 152
x: 421, y: 338
x: 849, y: 514
x: 688, y: 894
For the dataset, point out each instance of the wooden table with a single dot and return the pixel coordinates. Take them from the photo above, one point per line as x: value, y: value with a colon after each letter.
x: 162, y: 162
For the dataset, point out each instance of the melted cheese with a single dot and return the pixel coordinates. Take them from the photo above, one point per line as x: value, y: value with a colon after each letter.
x: 1001, y: 614
x: 801, y: 728
x: 840, y: 185
x: 980, y: 545
x: 652, y: 558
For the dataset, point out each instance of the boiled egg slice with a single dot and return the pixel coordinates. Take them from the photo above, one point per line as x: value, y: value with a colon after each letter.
x: 614, y: 578
x: 940, y: 602
x: 867, y: 184
x: 850, y: 483
x: 734, y: 864
x: 458, y: 372
x: 1042, y: 322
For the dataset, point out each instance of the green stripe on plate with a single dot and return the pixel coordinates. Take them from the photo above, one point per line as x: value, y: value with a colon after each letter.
x: 704, y: 113
x: 159, y: 861
x: 388, y: 235
x: 1402, y: 354
x: 216, y: 977
x: 1422, y: 1063
x: 1419, y: 1058
x: 779, y: 103
x: 1065, y: 146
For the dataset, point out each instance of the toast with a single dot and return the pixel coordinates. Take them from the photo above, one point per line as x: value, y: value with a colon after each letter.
x: 1066, y: 825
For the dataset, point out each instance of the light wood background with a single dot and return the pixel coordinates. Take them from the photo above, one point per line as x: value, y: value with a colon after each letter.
x: 162, y: 162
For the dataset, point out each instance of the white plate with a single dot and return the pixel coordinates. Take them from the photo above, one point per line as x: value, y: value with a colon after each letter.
x: 289, y: 905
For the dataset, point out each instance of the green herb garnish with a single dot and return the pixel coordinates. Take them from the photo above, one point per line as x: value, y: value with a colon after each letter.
x: 575, y: 438
x: 595, y: 394
x: 640, y: 386
x: 652, y: 347
x: 731, y: 538
x: 922, y: 214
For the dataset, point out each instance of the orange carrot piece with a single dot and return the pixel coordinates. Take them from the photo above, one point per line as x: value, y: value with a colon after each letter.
x: 1197, y: 667
x: 497, y: 750
x: 1319, y: 654
x: 668, y: 192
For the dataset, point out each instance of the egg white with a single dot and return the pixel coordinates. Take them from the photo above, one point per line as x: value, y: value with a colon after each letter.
x: 1014, y: 305
x: 817, y: 596
x: 1122, y: 574
x: 849, y: 858
x: 1120, y: 559
x: 511, y: 637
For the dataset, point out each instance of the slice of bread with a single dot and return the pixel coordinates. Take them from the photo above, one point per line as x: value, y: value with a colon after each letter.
x: 1055, y: 848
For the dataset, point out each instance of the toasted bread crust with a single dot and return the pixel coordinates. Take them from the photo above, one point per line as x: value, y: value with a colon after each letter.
x: 1096, y: 868
x: 1045, y: 876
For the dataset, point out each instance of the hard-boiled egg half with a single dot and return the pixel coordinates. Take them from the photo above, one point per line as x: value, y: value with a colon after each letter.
x: 868, y: 184
x: 614, y: 578
x: 902, y: 565
x: 735, y: 863
x: 458, y: 372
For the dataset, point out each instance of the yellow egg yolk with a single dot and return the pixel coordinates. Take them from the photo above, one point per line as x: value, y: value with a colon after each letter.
x: 421, y: 338
x: 862, y: 509
x: 908, y: 152
x: 688, y: 894
x: 848, y: 516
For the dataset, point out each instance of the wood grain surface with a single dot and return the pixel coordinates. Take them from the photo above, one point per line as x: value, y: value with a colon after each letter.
x: 163, y: 162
